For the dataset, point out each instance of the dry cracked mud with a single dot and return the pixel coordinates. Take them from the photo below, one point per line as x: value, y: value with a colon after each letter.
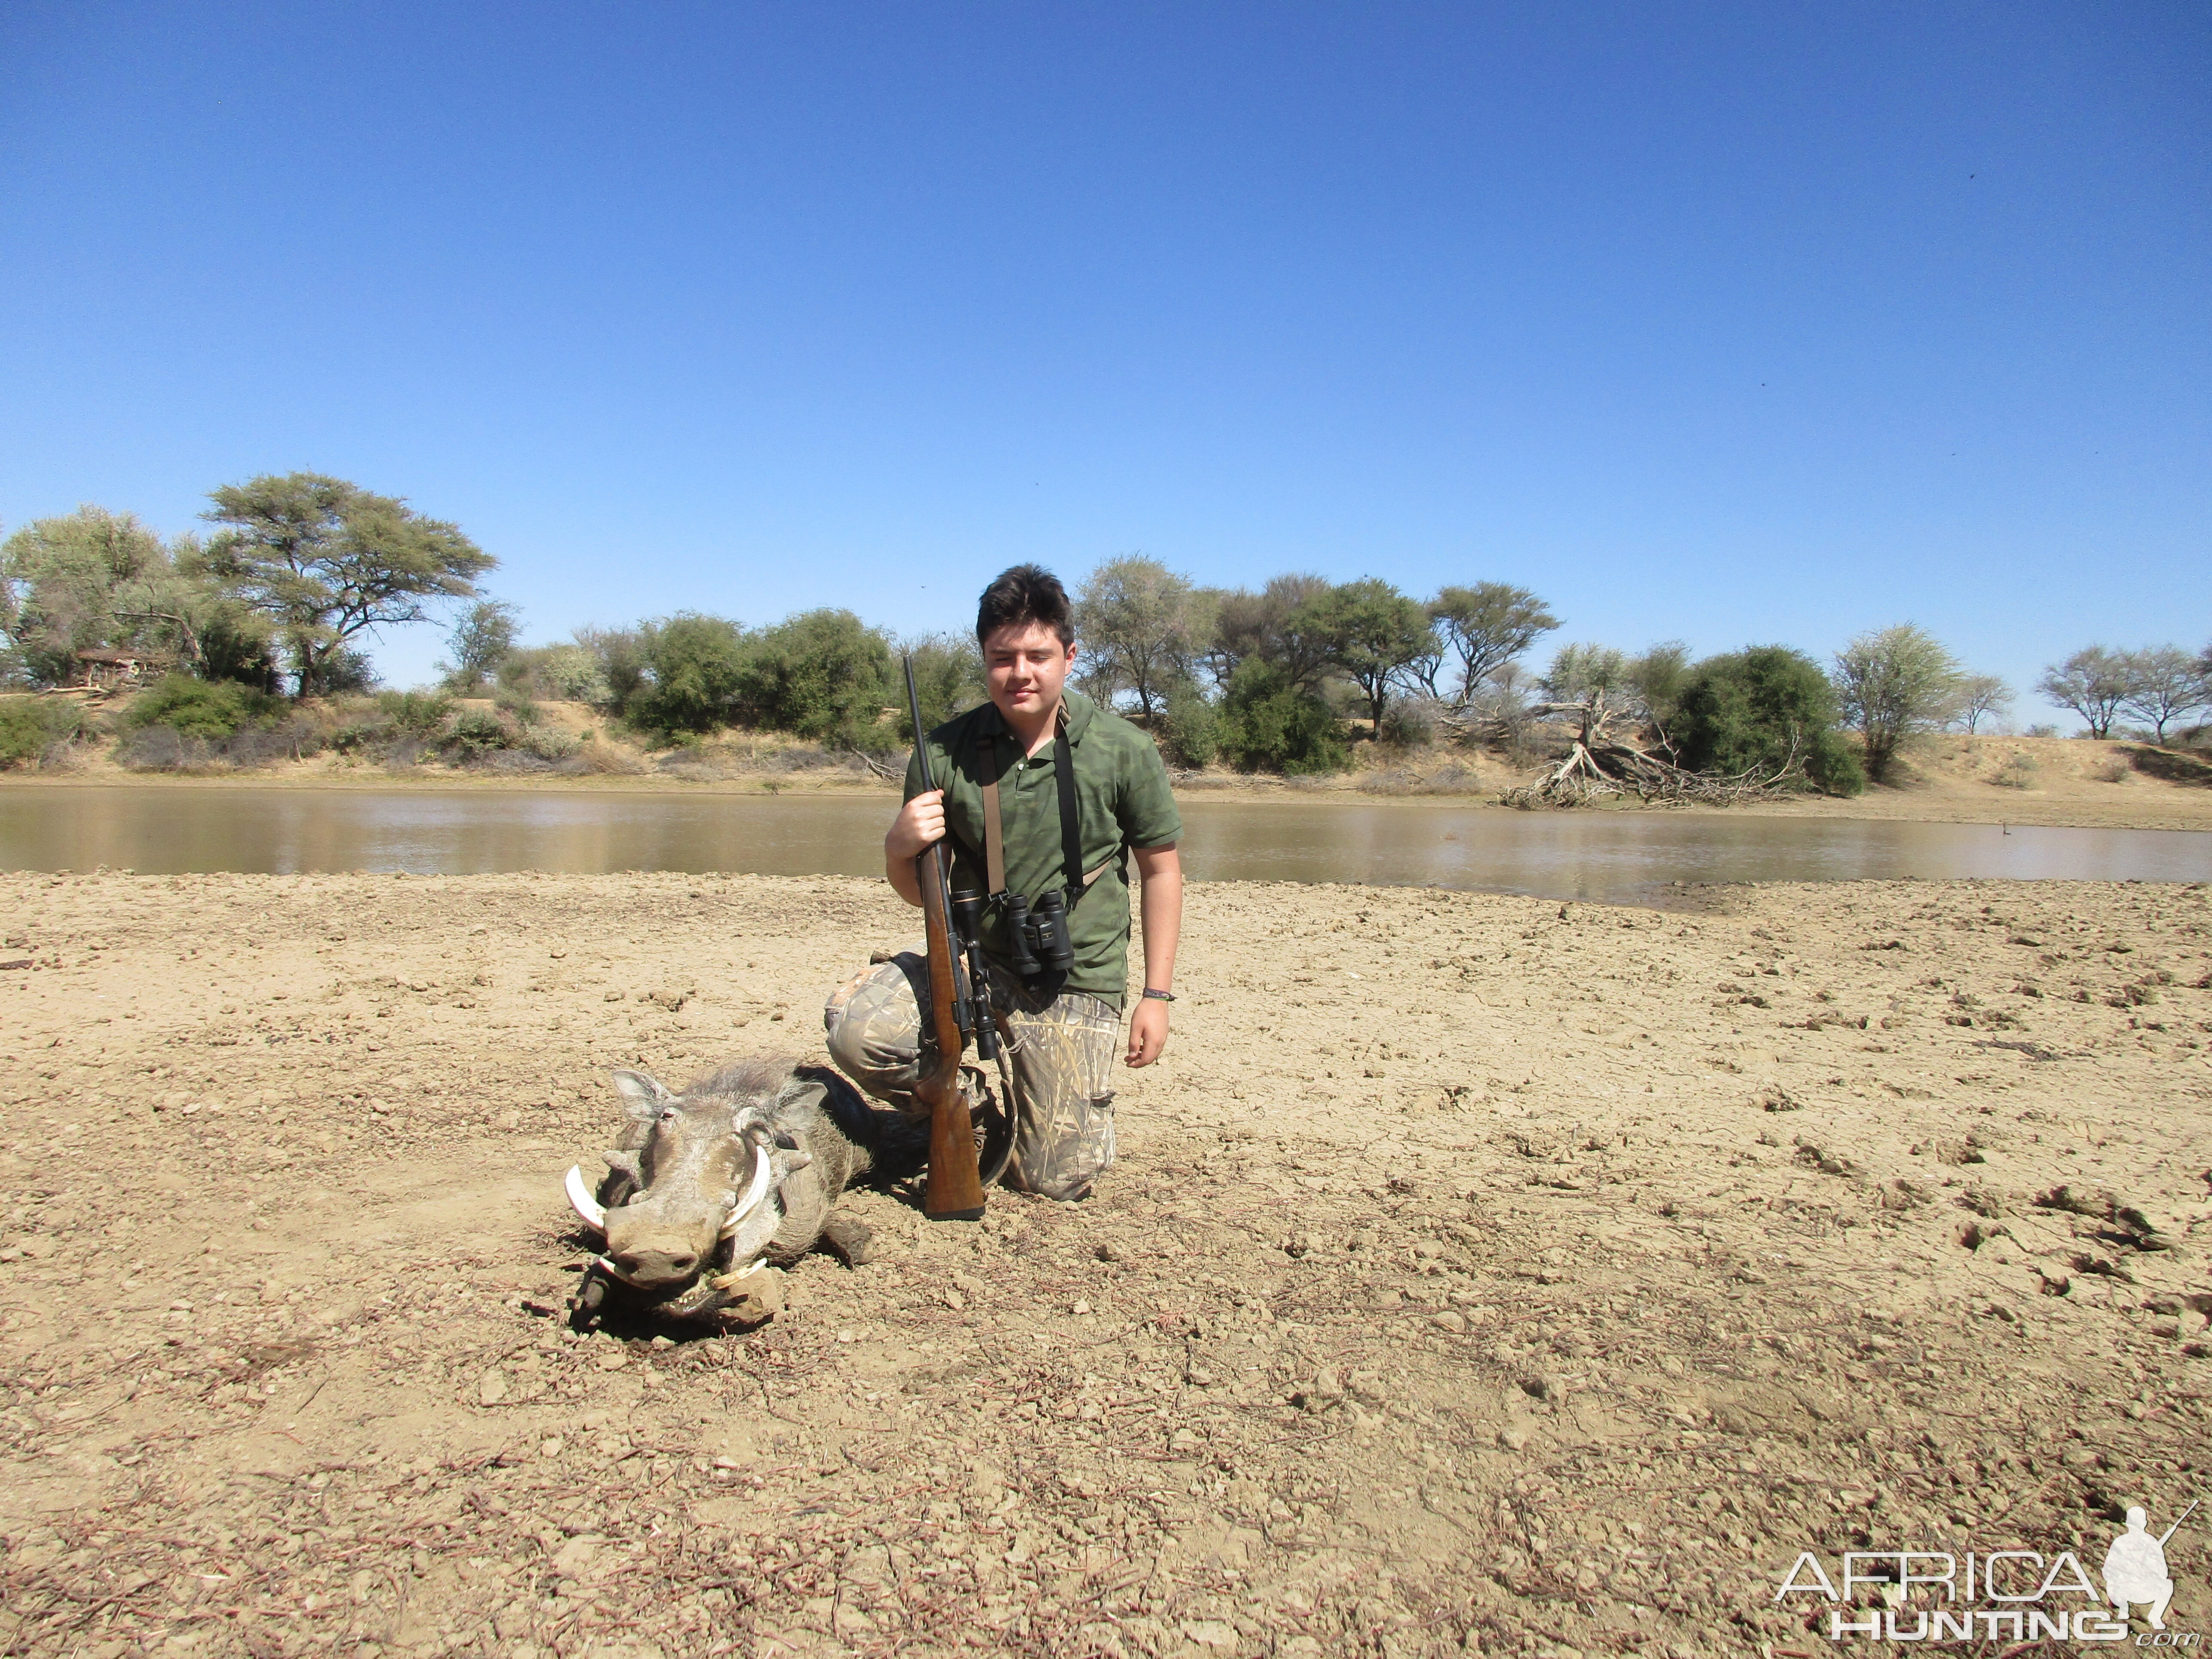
x: 1480, y: 1274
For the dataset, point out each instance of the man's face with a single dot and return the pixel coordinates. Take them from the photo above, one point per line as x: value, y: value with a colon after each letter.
x: 1026, y: 665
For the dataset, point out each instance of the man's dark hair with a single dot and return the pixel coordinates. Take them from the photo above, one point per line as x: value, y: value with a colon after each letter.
x: 1026, y: 593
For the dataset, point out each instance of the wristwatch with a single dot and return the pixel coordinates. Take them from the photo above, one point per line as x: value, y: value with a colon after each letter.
x: 1160, y: 996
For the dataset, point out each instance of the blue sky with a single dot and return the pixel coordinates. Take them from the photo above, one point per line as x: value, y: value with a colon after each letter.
x: 1730, y: 324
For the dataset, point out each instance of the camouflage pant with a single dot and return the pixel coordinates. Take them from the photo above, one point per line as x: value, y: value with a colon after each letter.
x: 1062, y: 1049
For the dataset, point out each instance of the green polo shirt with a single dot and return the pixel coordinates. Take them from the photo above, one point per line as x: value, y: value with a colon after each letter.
x: 1121, y: 789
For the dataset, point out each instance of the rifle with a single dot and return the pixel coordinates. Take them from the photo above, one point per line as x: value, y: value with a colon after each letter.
x: 959, y: 1003
x: 2178, y: 1520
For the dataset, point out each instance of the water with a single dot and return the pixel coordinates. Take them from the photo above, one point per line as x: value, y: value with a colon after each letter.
x: 1616, y: 856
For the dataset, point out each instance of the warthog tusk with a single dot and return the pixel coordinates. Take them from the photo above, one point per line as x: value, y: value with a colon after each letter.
x: 611, y: 1268
x: 733, y: 1281
x: 580, y: 1201
x: 594, y: 1216
x: 755, y: 1191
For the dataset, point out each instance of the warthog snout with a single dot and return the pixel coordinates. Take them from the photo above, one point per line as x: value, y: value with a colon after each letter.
x: 744, y: 1165
x: 654, y: 1265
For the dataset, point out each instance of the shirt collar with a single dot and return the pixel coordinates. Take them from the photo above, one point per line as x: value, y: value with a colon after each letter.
x: 1076, y: 709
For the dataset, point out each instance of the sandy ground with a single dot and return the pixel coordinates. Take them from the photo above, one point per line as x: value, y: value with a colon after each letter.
x: 1481, y: 1273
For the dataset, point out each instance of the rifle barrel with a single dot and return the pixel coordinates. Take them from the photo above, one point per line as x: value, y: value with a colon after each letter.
x: 2178, y: 1520
x: 913, y: 710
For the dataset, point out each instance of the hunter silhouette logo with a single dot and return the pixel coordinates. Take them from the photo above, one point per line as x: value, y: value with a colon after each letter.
x: 2135, y: 1567
x: 2002, y: 1595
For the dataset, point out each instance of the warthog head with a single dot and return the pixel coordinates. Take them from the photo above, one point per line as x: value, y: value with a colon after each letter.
x: 696, y: 1200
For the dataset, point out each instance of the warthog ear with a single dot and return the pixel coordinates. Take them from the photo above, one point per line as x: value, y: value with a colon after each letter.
x: 803, y: 1091
x: 642, y: 1096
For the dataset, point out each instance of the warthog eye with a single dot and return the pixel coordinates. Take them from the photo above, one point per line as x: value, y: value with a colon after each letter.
x: 668, y: 1114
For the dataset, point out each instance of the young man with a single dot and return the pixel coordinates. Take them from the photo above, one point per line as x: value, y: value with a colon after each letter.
x: 1062, y: 1024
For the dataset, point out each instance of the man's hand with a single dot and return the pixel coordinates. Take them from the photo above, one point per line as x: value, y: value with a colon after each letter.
x: 1148, y: 1031
x: 919, y: 822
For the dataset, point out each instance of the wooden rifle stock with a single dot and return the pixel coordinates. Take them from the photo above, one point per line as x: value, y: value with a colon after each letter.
x: 956, y: 1184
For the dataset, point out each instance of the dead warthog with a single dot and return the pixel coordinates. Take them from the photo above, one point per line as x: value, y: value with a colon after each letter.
x: 714, y: 1188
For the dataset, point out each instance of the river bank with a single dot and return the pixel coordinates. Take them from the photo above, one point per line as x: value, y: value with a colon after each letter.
x: 2133, y: 801
x: 1480, y: 1273
x: 1949, y: 778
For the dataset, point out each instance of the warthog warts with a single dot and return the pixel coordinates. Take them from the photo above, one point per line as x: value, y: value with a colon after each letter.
x: 715, y: 1187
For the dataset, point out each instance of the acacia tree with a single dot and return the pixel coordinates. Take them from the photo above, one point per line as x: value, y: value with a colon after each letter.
x: 2164, y: 685
x: 2094, y: 683
x: 95, y: 578
x: 325, y: 559
x: 1892, y: 683
x: 1142, y: 627
x: 483, y: 637
x: 1487, y: 626
x: 1579, y: 670
x: 1981, y: 697
x: 1657, y: 679
x: 1272, y: 626
x: 62, y: 579
x: 1373, y: 632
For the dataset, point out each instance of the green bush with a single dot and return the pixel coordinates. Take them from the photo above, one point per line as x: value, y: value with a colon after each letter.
x: 233, y: 646
x: 1190, y: 727
x: 693, y: 670
x: 823, y: 674
x: 548, y: 743
x: 415, y: 714
x: 1408, y: 724
x: 1753, y: 709
x: 569, y: 672
x: 948, y: 680
x: 210, y: 710
x: 27, y: 725
x: 1268, y: 725
x: 476, y: 732
x: 518, y: 707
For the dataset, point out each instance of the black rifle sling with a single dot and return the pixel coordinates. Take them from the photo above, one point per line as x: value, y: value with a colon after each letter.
x: 1071, y: 820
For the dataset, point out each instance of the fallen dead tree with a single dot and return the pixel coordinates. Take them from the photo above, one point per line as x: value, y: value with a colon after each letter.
x: 1600, y: 765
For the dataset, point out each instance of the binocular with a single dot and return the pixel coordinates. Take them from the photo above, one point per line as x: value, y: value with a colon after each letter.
x: 1038, y: 940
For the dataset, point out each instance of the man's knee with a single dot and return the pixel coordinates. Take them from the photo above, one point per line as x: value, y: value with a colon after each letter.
x: 872, y: 1026
x: 845, y: 1042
